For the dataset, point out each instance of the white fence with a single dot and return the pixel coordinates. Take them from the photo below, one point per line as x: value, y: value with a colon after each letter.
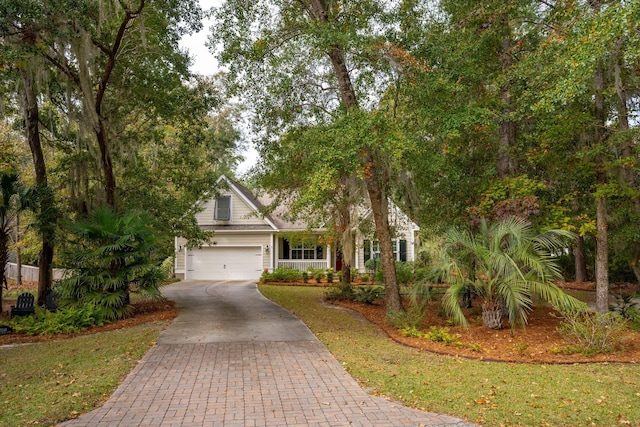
x: 30, y: 273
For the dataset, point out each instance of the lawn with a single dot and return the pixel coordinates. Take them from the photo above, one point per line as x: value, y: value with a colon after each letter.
x: 47, y: 382
x: 488, y: 393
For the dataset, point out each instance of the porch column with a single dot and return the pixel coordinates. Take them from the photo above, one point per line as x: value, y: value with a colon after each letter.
x: 275, y: 250
x: 329, y: 256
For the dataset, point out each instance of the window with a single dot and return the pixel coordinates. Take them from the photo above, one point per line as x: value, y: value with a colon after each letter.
x: 371, y: 249
x: 301, y: 250
x: 223, y: 209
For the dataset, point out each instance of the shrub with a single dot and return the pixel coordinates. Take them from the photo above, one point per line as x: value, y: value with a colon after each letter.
x: 305, y: 276
x: 330, y: 275
x: 475, y: 347
x: 368, y: 294
x: 411, y: 318
x: 593, y: 333
x: 167, y: 266
x: 442, y: 335
x: 411, y: 331
x: 340, y: 292
x: 371, y: 265
x: 625, y: 306
x: 404, y: 272
x: 63, y: 321
x: 281, y: 274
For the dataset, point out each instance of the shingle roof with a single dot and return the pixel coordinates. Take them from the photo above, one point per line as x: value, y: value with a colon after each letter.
x: 263, y: 203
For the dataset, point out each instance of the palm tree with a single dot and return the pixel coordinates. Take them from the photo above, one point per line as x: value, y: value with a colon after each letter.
x: 506, y: 264
x: 112, y: 256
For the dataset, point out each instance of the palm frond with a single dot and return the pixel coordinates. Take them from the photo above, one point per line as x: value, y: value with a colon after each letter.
x: 504, y: 261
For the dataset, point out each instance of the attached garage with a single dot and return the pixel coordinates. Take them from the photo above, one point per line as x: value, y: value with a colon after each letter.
x: 225, y: 263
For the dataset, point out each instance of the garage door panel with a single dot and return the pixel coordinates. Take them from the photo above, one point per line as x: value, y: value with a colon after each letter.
x: 225, y: 263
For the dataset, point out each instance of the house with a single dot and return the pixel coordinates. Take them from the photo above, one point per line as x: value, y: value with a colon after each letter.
x: 246, y: 242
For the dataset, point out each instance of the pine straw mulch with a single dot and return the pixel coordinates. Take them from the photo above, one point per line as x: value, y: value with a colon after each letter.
x: 539, y: 342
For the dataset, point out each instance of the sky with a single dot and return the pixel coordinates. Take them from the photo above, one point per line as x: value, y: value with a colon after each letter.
x: 205, y: 63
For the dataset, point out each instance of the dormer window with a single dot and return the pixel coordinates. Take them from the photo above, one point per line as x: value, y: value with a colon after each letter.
x: 223, y: 209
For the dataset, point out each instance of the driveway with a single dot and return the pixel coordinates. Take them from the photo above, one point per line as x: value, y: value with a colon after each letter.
x: 233, y: 358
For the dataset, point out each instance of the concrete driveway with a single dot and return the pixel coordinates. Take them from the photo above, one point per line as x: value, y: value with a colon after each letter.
x: 233, y: 358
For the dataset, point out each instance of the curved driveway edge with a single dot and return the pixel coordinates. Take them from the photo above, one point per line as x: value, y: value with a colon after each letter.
x: 234, y: 358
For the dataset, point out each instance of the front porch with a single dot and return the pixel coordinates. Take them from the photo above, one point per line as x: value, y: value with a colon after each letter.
x: 302, y: 254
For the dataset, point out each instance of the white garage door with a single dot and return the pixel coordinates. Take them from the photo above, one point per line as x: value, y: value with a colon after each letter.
x: 225, y: 263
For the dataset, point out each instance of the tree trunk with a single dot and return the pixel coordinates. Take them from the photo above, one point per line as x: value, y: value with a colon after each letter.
x: 346, y: 235
x: 107, y: 167
x: 492, y: 314
x: 100, y: 130
x: 45, y: 199
x: 602, y: 256
x: 376, y: 187
x: 602, y: 238
x: 506, y: 162
x: 580, y: 260
x: 375, y: 180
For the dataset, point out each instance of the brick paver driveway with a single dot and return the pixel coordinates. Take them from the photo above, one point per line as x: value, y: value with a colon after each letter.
x: 233, y: 358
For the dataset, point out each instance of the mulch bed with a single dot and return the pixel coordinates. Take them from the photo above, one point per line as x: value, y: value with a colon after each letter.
x: 143, y: 312
x: 539, y: 342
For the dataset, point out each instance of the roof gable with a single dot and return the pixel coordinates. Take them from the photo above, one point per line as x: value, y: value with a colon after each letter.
x: 244, y: 209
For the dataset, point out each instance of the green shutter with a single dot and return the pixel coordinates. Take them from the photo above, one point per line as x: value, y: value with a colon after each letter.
x: 403, y: 250
x: 367, y: 250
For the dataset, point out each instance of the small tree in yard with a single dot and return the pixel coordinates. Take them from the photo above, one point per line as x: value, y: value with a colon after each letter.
x: 506, y: 264
x: 9, y: 191
x: 112, y: 256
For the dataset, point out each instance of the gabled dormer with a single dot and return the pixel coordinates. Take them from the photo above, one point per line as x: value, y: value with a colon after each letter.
x: 234, y: 206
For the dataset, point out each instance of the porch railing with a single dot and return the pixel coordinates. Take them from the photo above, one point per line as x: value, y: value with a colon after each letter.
x: 302, y: 264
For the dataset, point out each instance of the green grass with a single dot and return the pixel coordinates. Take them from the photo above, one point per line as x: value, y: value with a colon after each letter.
x: 489, y: 393
x: 45, y: 383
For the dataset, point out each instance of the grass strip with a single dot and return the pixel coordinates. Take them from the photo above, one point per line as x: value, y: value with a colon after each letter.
x: 45, y: 383
x: 488, y: 393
